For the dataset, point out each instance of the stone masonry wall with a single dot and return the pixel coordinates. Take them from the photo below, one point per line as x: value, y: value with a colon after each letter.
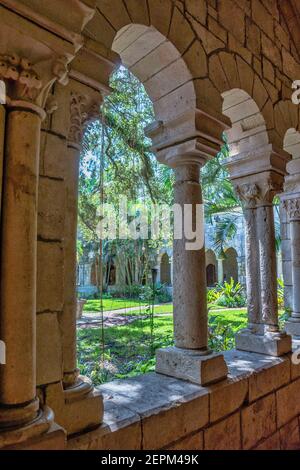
x: 257, y: 407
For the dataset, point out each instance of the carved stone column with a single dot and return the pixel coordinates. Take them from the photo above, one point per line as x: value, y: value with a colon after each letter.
x: 248, y: 193
x: 262, y: 335
x: 291, y: 206
x: 81, y: 112
x: 190, y: 358
x: 20, y: 415
x: 76, y: 404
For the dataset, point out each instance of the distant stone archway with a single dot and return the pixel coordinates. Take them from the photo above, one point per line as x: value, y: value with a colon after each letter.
x: 165, y: 270
x: 230, y: 265
x: 211, y: 268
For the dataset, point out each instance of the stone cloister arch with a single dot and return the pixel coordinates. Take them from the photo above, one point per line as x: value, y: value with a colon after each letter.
x: 211, y: 268
x: 230, y: 265
x: 290, y: 220
x: 165, y: 269
x: 211, y: 75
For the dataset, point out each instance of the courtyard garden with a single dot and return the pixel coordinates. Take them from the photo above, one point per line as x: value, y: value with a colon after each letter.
x: 127, y: 350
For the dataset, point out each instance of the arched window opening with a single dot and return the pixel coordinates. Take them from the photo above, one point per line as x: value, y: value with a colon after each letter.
x: 165, y: 270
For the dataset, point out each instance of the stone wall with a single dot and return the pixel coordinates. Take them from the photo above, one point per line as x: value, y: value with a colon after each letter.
x: 257, y: 407
x: 2, y: 132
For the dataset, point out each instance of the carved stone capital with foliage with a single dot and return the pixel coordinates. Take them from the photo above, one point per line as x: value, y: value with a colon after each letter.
x: 30, y: 83
x: 292, y: 206
x: 82, y: 111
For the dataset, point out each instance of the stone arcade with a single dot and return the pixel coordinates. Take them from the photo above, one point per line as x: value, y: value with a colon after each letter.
x: 207, y: 71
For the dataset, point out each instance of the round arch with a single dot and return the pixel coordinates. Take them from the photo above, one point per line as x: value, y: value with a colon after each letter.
x: 159, y: 46
x: 165, y: 269
x: 230, y: 265
x: 211, y: 268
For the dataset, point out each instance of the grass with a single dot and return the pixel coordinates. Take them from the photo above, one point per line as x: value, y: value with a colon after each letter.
x: 129, y: 350
x: 110, y: 304
x: 117, y: 304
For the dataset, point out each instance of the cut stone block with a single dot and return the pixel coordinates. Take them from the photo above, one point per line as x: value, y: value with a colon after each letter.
x: 293, y: 328
x: 270, y: 344
x: 191, y: 365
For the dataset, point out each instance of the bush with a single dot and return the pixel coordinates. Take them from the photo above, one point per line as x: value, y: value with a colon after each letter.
x: 212, y: 295
x: 280, y: 292
x: 231, y: 295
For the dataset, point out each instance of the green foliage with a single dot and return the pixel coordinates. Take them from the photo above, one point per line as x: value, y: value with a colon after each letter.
x: 280, y: 292
x: 128, y: 350
x: 231, y: 294
x: 212, y: 295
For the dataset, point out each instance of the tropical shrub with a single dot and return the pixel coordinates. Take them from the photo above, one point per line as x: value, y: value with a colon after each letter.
x: 280, y: 292
x: 212, y: 295
x: 231, y: 295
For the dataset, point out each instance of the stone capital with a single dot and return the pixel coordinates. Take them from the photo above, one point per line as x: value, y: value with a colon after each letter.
x: 291, y: 204
x: 259, y: 190
x: 193, y: 137
x: 83, y: 109
x: 27, y: 84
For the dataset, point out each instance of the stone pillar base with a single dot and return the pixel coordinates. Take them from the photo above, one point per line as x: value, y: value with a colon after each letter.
x: 76, y: 409
x: 292, y: 327
x: 271, y: 344
x: 54, y: 439
x: 197, y: 366
x: 17, y: 435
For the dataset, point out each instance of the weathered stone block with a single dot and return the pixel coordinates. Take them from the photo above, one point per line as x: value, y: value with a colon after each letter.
x: 51, y: 209
x: 253, y: 37
x: 225, y: 435
x: 185, y: 418
x: 268, y: 378
x: 82, y: 413
x: 209, y: 41
x: 52, y: 155
x: 258, y: 421
x: 227, y: 396
x: 193, y: 442
x: 271, y: 443
x: 271, y: 51
x: 54, y: 439
x: 191, y: 365
x: 160, y: 15
x: 48, y: 349
x: 198, y: 9
x: 233, y: 23
x: 288, y: 405
x: 263, y: 344
x: 290, y: 436
x: 181, y: 32
x: 49, y: 277
x: 262, y: 18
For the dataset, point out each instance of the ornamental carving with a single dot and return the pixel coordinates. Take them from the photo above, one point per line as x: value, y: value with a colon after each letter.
x: 27, y: 82
x: 260, y: 193
x: 248, y: 192
x: 82, y: 112
x: 292, y: 206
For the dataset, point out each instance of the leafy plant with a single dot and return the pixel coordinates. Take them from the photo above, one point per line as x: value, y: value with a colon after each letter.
x: 212, y: 295
x: 280, y: 292
x: 231, y: 294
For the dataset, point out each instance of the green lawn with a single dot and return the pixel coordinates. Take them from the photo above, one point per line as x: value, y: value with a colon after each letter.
x: 110, y: 304
x: 116, y: 304
x: 130, y: 351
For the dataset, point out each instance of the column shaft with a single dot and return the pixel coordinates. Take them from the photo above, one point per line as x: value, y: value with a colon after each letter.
x: 267, y: 257
x: 252, y: 267
x: 68, y: 319
x: 189, y: 275
x: 18, y: 264
x: 295, y: 242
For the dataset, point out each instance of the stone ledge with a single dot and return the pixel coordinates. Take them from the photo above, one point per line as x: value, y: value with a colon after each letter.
x: 139, y: 411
